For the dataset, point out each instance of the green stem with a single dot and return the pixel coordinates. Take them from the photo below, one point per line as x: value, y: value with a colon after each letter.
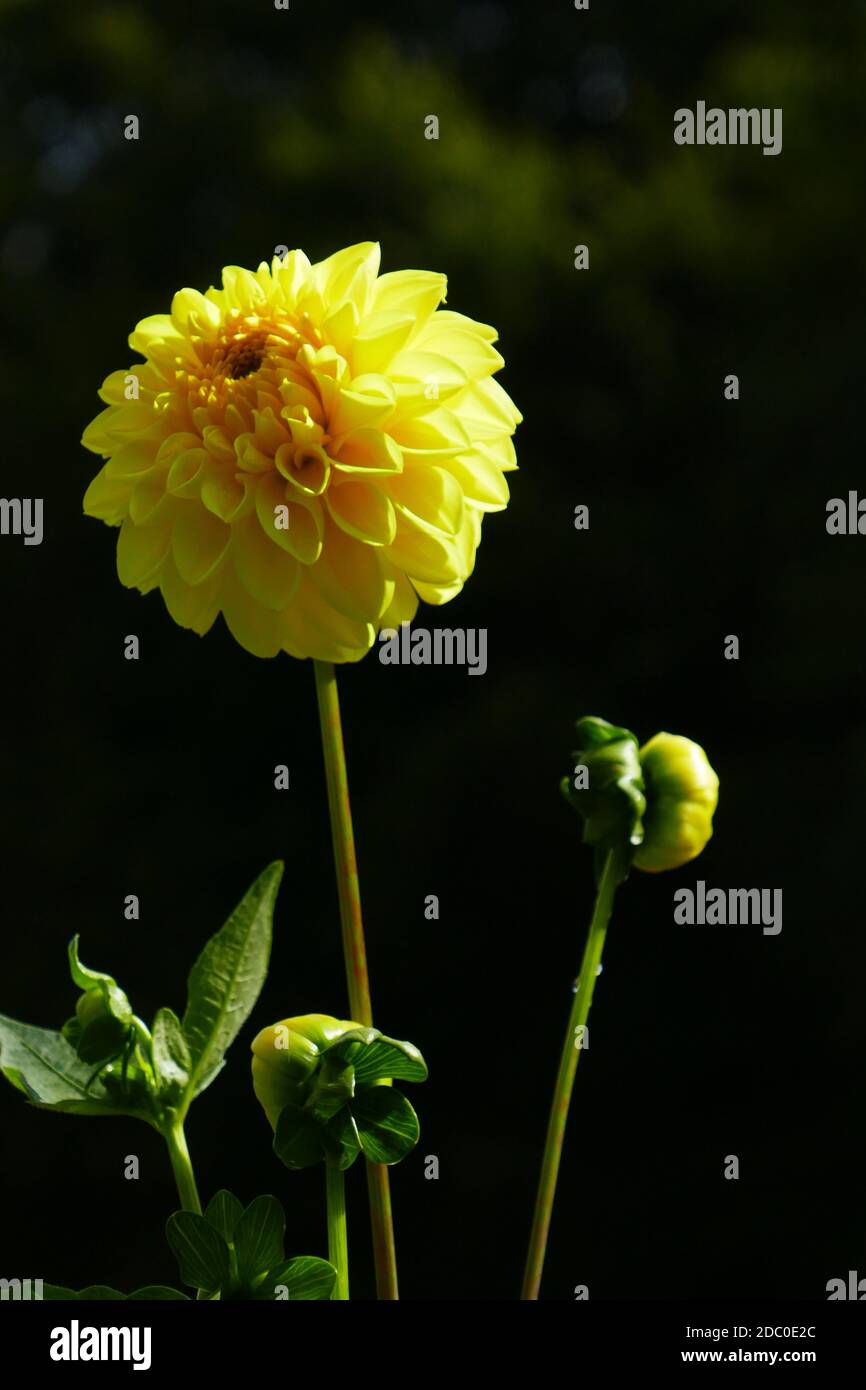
x: 584, y: 986
x: 338, y: 1249
x: 181, y: 1164
x: 354, y: 948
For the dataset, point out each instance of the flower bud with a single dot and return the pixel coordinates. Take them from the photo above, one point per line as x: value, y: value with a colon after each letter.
x: 682, y: 792
x: 287, y: 1056
x: 325, y: 1086
x: 103, y: 1021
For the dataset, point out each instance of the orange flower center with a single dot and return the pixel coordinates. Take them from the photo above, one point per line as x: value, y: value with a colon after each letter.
x: 244, y: 356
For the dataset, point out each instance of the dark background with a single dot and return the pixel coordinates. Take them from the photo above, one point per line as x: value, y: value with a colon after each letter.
x: 707, y: 518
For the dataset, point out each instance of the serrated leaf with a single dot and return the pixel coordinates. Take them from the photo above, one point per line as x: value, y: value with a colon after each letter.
x: 201, y: 1253
x: 225, y: 981
x: 224, y: 1211
x: 170, y: 1049
x: 42, y: 1064
x: 387, y: 1125
x: 258, y: 1238
x: 304, y: 1277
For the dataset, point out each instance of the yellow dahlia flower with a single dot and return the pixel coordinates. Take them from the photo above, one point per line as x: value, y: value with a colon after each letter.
x: 307, y: 451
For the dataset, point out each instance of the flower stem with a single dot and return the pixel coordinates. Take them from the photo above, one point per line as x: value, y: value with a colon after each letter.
x: 583, y: 990
x: 182, y: 1167
x: 338, y: 1249
x: 354, y: 948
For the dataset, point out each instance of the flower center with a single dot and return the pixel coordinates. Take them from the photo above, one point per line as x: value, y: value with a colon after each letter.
x: 245, y: 356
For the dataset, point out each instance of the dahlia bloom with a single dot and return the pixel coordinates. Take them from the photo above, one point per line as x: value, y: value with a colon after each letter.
x: 308, y: 451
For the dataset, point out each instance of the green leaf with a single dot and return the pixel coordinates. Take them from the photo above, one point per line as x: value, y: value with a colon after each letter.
x: 387, y: 1125
x: 340, y: 1135
x: 304, y: 1277
x: 202, y: 1254
x: 259, y: 1237
x: 613, y: 802
x: 41, y: 1063
x: 161, y: 1292
x: 170, y: 1050
x: 298, y: 1138
x: 226, y: 980
x: 224, y: 1211
x: 102, y: 1293
x: 387, y: 1058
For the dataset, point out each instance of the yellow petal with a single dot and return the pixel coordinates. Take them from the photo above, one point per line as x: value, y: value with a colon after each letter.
x: 378, y: 339
x: 362, y: 511
x: 437, y: 593
x: 107, y: 498
x: 445, y: 317
x: 350, y: 576
x: 480, y: 480
x: 291, y: 275
x: 340, y: 326
x: 199, y: 542
x: 439, y: 430
x: 485, y: 410
x: 425, y: 554
x: 303, y: 535
x: 425, y: 377
x: 141, y: 551
x: 359, y: 408
x: 226, y: 497
x: 412, y: 292
x: 367, y: 451
x: 149, y: 503
x: 267, y: 573
x: 432, y: 494
x: 460, y: 345
x: 191, y: 310
x: 257, y: 629
x: 96, y: 437
x: 187, y: 472
x: 348, y: 274
x: 312, y: 627
x: 242, y: 289
x: 403, y: 605
x: 131, y: 460
x: 191, y: 606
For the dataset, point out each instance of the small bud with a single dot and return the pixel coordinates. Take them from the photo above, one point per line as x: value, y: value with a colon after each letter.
x: 682, y: 792
x: 103, y: 1019
x: 286, y: 1057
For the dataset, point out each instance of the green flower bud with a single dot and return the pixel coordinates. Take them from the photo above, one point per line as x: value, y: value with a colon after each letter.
x: 320, y: 1081
x: 682, y: 792
x: 286, y: 1057
x: 103, y: 1021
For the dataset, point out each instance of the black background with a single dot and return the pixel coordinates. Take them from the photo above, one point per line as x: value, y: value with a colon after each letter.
x: 707, y: 518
